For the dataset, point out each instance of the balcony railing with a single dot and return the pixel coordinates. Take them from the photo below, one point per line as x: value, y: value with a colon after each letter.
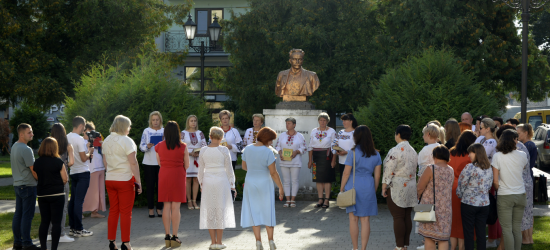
x: 177, y: 42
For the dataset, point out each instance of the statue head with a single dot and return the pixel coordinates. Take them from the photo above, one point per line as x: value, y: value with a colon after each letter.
x: 296, y: 58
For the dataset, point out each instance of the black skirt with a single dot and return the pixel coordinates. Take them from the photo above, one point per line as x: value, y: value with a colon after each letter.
x: 322, y: 171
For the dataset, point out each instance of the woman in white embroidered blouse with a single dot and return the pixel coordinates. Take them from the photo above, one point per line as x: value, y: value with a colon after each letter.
x: 151, y: 136
x: 217, y: 179
x: 251, y: 133
x: 291, y: 169
x: 231, y: 136
x: 344, y: 140
x: 399, y: 184
x: 320, y: 158
x: 194, y: 138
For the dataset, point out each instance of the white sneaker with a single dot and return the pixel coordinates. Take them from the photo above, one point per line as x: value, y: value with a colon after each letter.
x: 65, y: 239
x: 222, y: 246
x: 49, y: 237
x: 83, y: 233
x: 420, y: 247
x: 491, y: 244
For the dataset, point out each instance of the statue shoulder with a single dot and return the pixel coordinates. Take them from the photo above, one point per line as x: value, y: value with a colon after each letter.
x: 284, y: 72
x: 308, y: 72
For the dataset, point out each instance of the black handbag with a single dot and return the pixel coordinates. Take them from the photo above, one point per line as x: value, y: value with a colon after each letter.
x: 493, y: 215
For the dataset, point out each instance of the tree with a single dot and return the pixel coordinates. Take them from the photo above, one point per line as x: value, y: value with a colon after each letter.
x: 34, y: 117
x: 4, y: 136
x: 433, y: 85
x: 481, y: 33
x: 336, y: 35
x: 46, y: 45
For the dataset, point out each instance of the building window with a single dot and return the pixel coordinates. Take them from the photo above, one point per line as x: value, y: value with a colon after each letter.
x: 205, y: 17
x: 193, y: 78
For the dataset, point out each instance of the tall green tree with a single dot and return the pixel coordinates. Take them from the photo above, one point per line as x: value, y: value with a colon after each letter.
x: 336, y: 35
x: 46, y: 45
x: 482, y: 35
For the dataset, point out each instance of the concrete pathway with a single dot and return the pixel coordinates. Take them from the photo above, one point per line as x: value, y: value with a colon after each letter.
x: 6, y: 181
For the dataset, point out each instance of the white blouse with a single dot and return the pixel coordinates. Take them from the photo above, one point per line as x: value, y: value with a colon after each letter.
x: 425, y: 157
x: 250, y: 137
x: 321, y: 139
x: 233, y: 138
x: 294, y: 142
x: 149, y: 156
x: 193, y: 140
x: 345, y: 141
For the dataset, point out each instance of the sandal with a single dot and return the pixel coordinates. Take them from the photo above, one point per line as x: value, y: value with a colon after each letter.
x: 175, y: 241
x: 320, y: 204
x: 195, y: 204
x: 167, y: 240
x: 159, y: 214
x: 190, y: 205
x: 326, y: 205
x: 287, y: 204
x: 292, y: 203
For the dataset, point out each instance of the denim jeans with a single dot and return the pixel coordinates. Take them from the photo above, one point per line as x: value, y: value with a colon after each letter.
x: 79, y: 188
x: 25, y: 202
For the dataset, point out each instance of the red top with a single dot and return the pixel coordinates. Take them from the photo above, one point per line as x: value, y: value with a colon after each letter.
x: 172, y: 173
x: 458, y: 163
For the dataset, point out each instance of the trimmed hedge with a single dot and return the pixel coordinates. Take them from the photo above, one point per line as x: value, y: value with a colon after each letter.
x: 107, y: 91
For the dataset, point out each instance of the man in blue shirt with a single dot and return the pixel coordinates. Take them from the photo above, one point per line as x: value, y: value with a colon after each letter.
x: 24, y: 183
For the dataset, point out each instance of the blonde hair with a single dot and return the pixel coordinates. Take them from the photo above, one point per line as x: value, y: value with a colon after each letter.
x: 216, y: 133
x: 432, y: 130
x: 151, y: 116
x: 526, y: 128
x: 187, y: 122
x: 442, y: 135
x: 224, y: 112
x: 259, y: 116
x: 121, y: 125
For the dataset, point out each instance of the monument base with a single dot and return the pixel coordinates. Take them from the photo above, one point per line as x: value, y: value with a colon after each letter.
x: 294, y: 98
x: 306, y: 120
x: 295, y: 105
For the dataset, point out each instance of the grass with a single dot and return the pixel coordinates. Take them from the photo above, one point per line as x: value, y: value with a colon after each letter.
x: 6, y: 235
x: 5, y: 170
x: 4, y: 157
x: 541, y: 237
x: 7, y: 193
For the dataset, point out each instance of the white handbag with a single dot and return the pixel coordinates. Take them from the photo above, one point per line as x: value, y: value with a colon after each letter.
x: 426, y: 212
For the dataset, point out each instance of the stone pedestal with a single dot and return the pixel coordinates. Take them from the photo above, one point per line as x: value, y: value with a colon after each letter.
x: 294, y: 106
x: 306, y: 120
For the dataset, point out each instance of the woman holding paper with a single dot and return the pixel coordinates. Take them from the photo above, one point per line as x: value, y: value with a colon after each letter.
x: 291, y: 145
x: 151, y: 137
x: 231, y: 137
x: 194, y: 138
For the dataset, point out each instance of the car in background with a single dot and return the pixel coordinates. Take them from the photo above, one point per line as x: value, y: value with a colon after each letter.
x: 541, y: 139
x: 536, y: 117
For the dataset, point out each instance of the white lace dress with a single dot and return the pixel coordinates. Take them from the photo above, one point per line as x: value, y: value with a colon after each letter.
x: 216, y: 178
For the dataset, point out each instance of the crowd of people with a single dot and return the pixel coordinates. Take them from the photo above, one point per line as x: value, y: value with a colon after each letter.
x: 489, y: 165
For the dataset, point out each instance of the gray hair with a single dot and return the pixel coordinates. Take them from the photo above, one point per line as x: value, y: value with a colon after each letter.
x: 216, y: 133
x: 323, y: 115
x: 291, y: 119
x: 259, y: 116
x: 121, y: 125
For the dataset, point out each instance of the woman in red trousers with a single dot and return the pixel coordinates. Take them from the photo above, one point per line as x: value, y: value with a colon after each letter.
x: 173, y: 160
x: 119, y: 158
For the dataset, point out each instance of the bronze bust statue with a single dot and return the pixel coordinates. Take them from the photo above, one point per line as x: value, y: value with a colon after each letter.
x: 296, y: 83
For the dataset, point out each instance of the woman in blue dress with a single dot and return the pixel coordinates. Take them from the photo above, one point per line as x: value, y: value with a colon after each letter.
x: 367, y: 162
x: 259, y: 192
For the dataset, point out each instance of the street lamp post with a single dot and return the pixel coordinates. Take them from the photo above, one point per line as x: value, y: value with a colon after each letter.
x: 525, y: 6
x: 214, y: 32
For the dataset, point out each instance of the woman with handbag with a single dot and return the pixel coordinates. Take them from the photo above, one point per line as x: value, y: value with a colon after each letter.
x: 362, y: 163
x: 399, y: 185
x: 473, y: 187
x: 433, y: 188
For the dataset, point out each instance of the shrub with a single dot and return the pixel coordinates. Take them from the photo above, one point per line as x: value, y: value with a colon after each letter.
x: 107, y: 91
x: 34, y: 117
x: 432, y: 85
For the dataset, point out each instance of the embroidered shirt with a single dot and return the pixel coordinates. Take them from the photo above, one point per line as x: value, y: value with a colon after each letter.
x: 400, y: 174
x: 233, y: 138
x: 321, y: 139
x: 193, y: 140
x: 294, y: 142
x: 474, y: 184
x: 489, y: 145
x: 345, y: 141
x: 150, y: 155
x: 250, y: 137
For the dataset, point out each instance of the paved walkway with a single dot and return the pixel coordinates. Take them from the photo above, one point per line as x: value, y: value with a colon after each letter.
x: 303, y: 227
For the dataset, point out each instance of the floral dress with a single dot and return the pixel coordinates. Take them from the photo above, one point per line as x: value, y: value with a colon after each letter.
x: 400, y: 174
x: 441, y: 229
x: 527, y: 220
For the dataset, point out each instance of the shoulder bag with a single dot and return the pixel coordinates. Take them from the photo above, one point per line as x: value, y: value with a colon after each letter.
x: 426, y: 212
x: 346, y: 199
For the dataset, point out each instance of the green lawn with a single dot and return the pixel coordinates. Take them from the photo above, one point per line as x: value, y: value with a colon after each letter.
x: 6, y: 235
x: 7, y: 193
x: 5, y: 170
x: 4, y: 157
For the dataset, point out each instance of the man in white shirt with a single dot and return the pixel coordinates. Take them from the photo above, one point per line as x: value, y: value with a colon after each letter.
x: 468, y: 118
x: 80, y: 177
